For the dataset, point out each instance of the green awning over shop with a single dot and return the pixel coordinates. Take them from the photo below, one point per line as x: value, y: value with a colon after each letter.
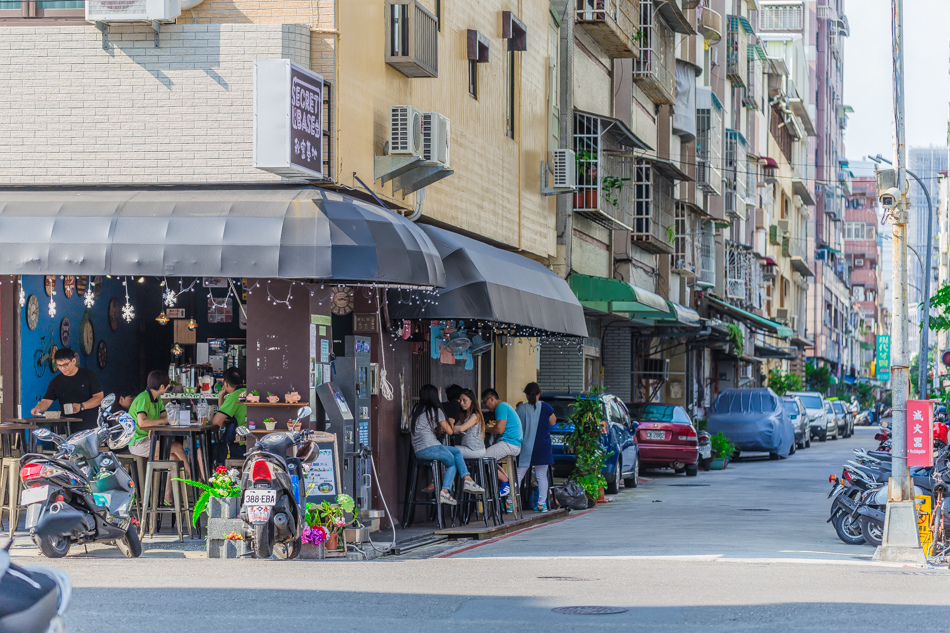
x: 753, y: 320
x: 615, y: 296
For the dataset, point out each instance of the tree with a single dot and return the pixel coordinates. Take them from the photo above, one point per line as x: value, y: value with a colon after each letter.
x: 817, y: 378
x: 782, y: 382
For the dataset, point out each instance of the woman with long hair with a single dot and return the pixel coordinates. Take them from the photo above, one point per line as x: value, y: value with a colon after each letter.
x: 428, y: 420
x: 536, y: 419
x: 471, y: 426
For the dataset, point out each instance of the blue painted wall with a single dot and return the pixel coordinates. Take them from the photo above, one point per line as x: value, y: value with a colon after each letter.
x: 122, y: 368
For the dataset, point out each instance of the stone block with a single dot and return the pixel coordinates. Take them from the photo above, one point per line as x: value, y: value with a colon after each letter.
x: 226, y: 549
x: 220, y: 528
x: 224, y: 507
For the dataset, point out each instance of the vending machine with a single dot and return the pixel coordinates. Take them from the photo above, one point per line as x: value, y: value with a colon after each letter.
x: 346, y: 400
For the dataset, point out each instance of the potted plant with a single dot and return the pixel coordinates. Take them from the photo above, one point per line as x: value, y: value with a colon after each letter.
x: 611, y: 187
x: 253, y: 396
x: 585, y: 440
x: 332, y: 517
x: 292, y: 397
x: 312, y: 539
x: 270, y: 424
x: 722, y: 449
x: 273, y: 398
x: 222, y: 494
x: 294, y: 425
x: 586, y: 195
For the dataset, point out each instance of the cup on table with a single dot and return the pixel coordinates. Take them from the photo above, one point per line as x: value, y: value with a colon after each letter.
x: 68, y: 409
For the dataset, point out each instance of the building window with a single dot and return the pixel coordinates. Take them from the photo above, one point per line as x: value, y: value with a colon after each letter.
x: 510, y: 93
x: 438, y: 15
x: 854, y: 230
x: 412, y: 43
x: 515, y: 34
x: 473, y: 78
x: 477, y: 45
x: 787, y: 16
x: 48, y: 9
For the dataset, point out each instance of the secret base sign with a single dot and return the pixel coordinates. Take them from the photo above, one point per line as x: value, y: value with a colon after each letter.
x: 288, y: 119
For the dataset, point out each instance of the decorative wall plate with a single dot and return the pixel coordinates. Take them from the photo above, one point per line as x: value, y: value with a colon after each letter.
x: 64, y: 332
x: 115, y: 313
x: 32, y: 312
x: 88, y: 334
x: 69, y: 286
x: 49, y: 284
x: 102, y: 354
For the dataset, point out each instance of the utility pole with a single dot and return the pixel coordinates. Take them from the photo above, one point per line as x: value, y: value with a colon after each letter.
x: 923, y: 358
x: 901, y: 542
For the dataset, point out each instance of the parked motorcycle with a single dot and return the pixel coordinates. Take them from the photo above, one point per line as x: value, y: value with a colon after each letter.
x: 273, y: 491
x: 33, y: 598
x: 704, y: 445
x: 81, y: 495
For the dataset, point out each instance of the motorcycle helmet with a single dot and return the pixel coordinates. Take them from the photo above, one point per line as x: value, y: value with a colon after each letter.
x: 940, y: 432
x: 120, y: 434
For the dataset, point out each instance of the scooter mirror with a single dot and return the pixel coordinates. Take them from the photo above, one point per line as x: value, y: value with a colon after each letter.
x: 243, y: 431
x: 108, y: 401
x: 304, y: 412
x: 43, y: 433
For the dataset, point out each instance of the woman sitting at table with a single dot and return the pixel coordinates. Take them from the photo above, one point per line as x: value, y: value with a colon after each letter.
x: 148, y: 411
x: 471, y: 425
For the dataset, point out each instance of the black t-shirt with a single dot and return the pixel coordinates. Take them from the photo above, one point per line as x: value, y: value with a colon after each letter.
x: 452, y: 410
x: 77, y: 388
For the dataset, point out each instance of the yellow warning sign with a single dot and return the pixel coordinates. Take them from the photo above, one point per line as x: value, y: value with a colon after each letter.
x: 924, y: 513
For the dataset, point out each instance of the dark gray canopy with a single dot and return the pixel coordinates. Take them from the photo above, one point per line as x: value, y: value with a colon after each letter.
x: 490, y: 284
x: 288, y: 233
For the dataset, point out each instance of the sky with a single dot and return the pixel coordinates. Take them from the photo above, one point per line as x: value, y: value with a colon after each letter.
x: 868, y: 75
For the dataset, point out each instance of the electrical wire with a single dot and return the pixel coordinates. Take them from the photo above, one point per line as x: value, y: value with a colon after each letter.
x: 392, y: 523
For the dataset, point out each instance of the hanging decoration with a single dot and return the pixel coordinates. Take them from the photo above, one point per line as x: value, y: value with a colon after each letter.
x: 177, y: 350
x: 89, y: 299
x: 170, y: 297
x: 22, y: 295
x: 128, y: 311
x: 192, y: 325
x: 162, y: 319
x: 52, y: 305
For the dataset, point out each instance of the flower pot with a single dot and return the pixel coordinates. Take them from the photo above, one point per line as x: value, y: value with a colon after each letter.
x: 273, y: 399
x: 270, y: 426
x: 579, y: 199
x: 591, y: 199
x: 292, y: 398
x: 293, y: 426
x: 719, y: 463
x: 310, y: 551
x: 333, y: 541
x: 252, y: 398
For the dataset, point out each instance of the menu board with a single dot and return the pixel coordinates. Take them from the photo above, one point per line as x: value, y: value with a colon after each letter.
x: 323, y: 477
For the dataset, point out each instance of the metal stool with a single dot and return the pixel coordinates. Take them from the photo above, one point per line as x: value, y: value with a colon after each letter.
x: 492, y: 497
x: 10, y: 491
x: 174, y: 469
x: 415, y: 465
x: 510, y: 465
x: 476, y: 469
x: 136, y: 467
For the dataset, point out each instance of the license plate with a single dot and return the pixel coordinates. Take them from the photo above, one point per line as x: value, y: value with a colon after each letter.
x: 705, y: 452
x: 30, y: 496
x: 258, y: 514
x: 261, y: 497
x: 557, y: 440
x: 656, y: 435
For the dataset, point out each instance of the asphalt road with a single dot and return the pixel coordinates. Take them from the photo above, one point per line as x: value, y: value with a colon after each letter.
x: 745, y: 549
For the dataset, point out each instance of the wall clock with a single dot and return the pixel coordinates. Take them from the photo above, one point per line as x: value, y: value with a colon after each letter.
x: 49, y: 284
x: 341, y: 300
x: 102, y: 354
x: 64, y: 331
x: 69, y: 286
x: 87, y: 335
x: 32, y: 312
x: 115, y: 313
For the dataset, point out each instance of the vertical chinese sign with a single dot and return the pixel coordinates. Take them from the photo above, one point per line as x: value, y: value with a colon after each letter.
x: 883, y: 363
x: 920, y: 429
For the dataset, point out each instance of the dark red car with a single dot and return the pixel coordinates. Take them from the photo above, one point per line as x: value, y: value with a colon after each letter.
x: 666, y: 436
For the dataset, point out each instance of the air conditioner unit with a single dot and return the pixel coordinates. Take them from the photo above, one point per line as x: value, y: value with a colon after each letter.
x: 782, y: 315
x: 564, y: 169
x: 405, y: 131
x: 435, y: 139
x: 783, y: 226
x: 793, y: 322
x: 132, y: 10
x: 859, y: 262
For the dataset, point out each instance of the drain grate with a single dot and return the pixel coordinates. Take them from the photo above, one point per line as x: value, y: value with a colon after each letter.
x: 690, y: 485
x: 564, y: 578
x: 754, y: 510
x: 589, y: 610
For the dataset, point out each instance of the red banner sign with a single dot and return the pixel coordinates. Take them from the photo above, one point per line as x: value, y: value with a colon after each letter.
x: 920, y: 428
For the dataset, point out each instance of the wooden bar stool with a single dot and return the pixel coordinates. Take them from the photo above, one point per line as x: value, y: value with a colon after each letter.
x: 180, y: 509
x: 10, y: 491
x: 510, y: 465
x: 136, y: 467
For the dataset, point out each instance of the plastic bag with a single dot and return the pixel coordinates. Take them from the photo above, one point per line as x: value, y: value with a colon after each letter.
x: 570, y: 495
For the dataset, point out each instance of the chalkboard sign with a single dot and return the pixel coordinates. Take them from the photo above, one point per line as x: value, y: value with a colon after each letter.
x: 323, y: 477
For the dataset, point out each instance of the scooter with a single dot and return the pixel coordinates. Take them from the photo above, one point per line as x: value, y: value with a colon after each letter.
x: 34, y: 598
x: 81, y: 495
x: 705, y: 450
x: 274, y: 492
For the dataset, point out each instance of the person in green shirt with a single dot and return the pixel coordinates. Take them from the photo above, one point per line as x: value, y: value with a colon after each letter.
x: 148, y: 411
x: 231, y: 413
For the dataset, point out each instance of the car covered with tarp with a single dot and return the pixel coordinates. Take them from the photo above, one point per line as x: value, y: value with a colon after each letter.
x: 754, y: 420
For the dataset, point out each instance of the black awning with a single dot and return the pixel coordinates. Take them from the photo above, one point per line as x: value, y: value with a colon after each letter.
x: 490, y: 284
x: 289, y: 233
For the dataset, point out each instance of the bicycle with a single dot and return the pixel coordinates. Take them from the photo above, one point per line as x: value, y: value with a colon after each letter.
x: 43, y: 357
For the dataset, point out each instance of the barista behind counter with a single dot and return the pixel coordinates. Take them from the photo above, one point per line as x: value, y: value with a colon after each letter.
x: 231, y: 413
x: 77, y: 390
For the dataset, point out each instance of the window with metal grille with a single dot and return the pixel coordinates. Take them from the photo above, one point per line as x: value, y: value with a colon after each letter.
x: 587, y: 156
x: 708, y: 142
x: 735, y: 272
x: 683, y: 253
x: 780, y: 133
x: 654, y: 70
x: 412, y: 39
x: 707, y: 251
x: 781, y: 17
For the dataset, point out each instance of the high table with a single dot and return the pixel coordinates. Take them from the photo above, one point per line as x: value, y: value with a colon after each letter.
x: 162, y: 435
x: 60, y: 426
x: 8, y: 433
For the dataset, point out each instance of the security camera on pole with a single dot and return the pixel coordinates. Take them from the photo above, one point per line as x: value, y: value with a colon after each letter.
x: 901, y: 542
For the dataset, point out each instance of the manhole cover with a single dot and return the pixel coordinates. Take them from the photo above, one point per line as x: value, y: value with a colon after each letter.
x: 689, y: 485
x: 563, y: 578
x: 754, y: 510
x: 589, y: 610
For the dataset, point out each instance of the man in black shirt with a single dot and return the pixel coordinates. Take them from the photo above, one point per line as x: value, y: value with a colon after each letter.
x: 77, y: 390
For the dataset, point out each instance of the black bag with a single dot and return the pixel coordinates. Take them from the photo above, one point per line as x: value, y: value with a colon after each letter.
x: 571, y: 496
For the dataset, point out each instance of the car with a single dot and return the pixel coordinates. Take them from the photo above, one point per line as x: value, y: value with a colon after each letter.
x: 618, y: 439
x: 832, y: 418
x: 666, y: 436
x: 845, y: 418
x: 799, y: 417
x: 754, y: 420
x: 820, y: 424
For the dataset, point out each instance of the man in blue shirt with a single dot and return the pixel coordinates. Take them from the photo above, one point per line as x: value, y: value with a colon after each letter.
x: 507, y: 426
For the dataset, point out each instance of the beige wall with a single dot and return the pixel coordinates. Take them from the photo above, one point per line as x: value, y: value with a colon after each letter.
x: 515, y: 366
x: 495, y: 191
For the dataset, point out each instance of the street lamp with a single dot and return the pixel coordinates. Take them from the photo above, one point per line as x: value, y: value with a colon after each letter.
x: 925, y: 331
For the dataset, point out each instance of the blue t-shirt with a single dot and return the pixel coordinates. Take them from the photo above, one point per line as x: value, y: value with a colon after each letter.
x: 513, y: 433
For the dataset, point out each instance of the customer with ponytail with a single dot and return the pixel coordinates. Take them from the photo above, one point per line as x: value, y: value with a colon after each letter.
x: 536, y: 420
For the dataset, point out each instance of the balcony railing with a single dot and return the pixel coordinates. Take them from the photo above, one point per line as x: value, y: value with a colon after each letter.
x: 708, y: 142
x: 655, y: 70
x: 653, y: 226
x: 612, y: 24
x: 686, y: 246
x: 737, y: 47
x: 605, y: 189
x: 710, y: 25
x: 707, y: 255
